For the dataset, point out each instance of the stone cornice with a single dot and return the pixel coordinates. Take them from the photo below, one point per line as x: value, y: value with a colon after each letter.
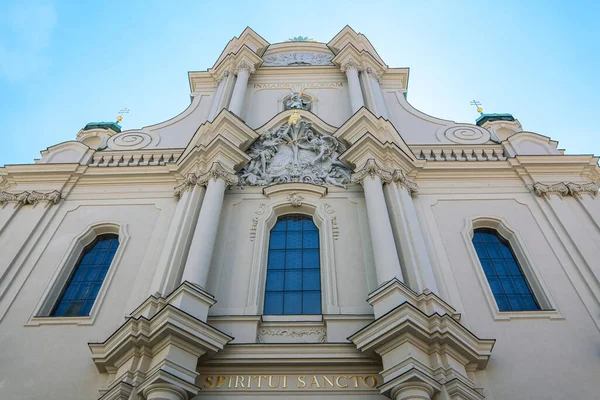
x: 244, y: 58
x: 361, y: 60
x: 248, y: 38
x: 434, y: 329
x: 371, y: 169
x: 169, y: 323
x: 565, y: 189
x: 348, y: 36
x: 32, y: 197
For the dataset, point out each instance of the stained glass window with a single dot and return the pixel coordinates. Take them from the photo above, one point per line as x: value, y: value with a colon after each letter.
x: 504, y: 274
x: 293, y: 270
x: 82, y: 287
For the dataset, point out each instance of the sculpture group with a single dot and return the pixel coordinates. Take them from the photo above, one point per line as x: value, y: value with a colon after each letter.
x: 295, y: 153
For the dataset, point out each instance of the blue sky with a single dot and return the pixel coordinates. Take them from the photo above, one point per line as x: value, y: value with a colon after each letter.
x: 66, y: 63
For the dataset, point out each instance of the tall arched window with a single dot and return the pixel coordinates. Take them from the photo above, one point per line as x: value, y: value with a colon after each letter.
x: 293, y: 273
x: 79, y: 294
x: 503, y: 272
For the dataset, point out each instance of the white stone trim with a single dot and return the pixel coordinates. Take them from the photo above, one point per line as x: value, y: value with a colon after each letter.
x: 532, y: 273
x: 262, y: 224
x: 40, y: 314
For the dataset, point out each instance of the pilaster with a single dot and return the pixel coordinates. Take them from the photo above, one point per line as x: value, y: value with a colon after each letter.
x: 408, y: 234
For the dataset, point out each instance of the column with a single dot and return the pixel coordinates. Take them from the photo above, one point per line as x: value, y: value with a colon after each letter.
x: 378, y: 94
x: 178, y: 238
x: 351, y: 69
x: 164, y: 391
x: 367, y: 91
x: 9, y: 205
x: 387, y: 264
x: 200, y: 254
x: 409, y: 237
x: 243, y: 71
x: 218, y: 96
x: 412, y: 391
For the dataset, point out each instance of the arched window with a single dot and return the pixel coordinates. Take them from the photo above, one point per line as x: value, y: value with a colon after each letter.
x: 503, y: 272
x: 79, y: 294
x: 293, y: 273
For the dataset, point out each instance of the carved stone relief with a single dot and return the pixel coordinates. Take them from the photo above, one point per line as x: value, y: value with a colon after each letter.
x: 33, y: 197
x: 294, y: 59
x: 295, y: 153
x: 306, y: 335
x: 565, y: 189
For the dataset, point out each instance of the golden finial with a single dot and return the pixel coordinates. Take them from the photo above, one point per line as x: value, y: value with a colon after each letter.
x: 478, y: 105
x: 293, y: 119
x: 121, y: 112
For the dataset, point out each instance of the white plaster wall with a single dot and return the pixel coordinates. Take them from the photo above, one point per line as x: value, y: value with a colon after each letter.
x: 230, y: 270
x: 545, y: 358
x: 54, y: 361
x: 332, y: 105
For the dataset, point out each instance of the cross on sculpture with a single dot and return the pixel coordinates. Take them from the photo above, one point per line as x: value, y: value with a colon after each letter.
x: 478, y: 105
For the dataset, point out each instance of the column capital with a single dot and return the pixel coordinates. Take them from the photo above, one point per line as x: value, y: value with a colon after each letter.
x: 223, y: 75
x: 400, y: 178
x: 187, y: 185
x: 217, y: 171
x: 373, y: 73
x: 371, y: 169
x: 350, y: 64
x: 244, y: 65
x: 544, y: 190
x: 32, y: 197
x: 576, y: 190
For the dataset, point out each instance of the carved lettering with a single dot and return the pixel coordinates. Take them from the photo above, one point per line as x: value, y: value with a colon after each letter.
x: 280, y: 382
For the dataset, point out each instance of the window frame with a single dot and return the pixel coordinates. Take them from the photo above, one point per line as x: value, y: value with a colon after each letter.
x: 500, y: 239
x: 302, y: 269
x: 78, y: 265
x: 266, y: 214
x: 531, y: 272
x: 41, y: 314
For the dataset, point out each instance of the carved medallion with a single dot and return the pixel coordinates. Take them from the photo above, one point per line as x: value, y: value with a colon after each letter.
x: 295, y: 153
x: 296, y: 58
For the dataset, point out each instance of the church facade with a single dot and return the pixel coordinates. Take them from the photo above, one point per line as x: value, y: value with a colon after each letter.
x: 301, y: 231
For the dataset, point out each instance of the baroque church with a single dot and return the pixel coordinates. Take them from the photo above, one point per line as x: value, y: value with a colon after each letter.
x: 301, y: 231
